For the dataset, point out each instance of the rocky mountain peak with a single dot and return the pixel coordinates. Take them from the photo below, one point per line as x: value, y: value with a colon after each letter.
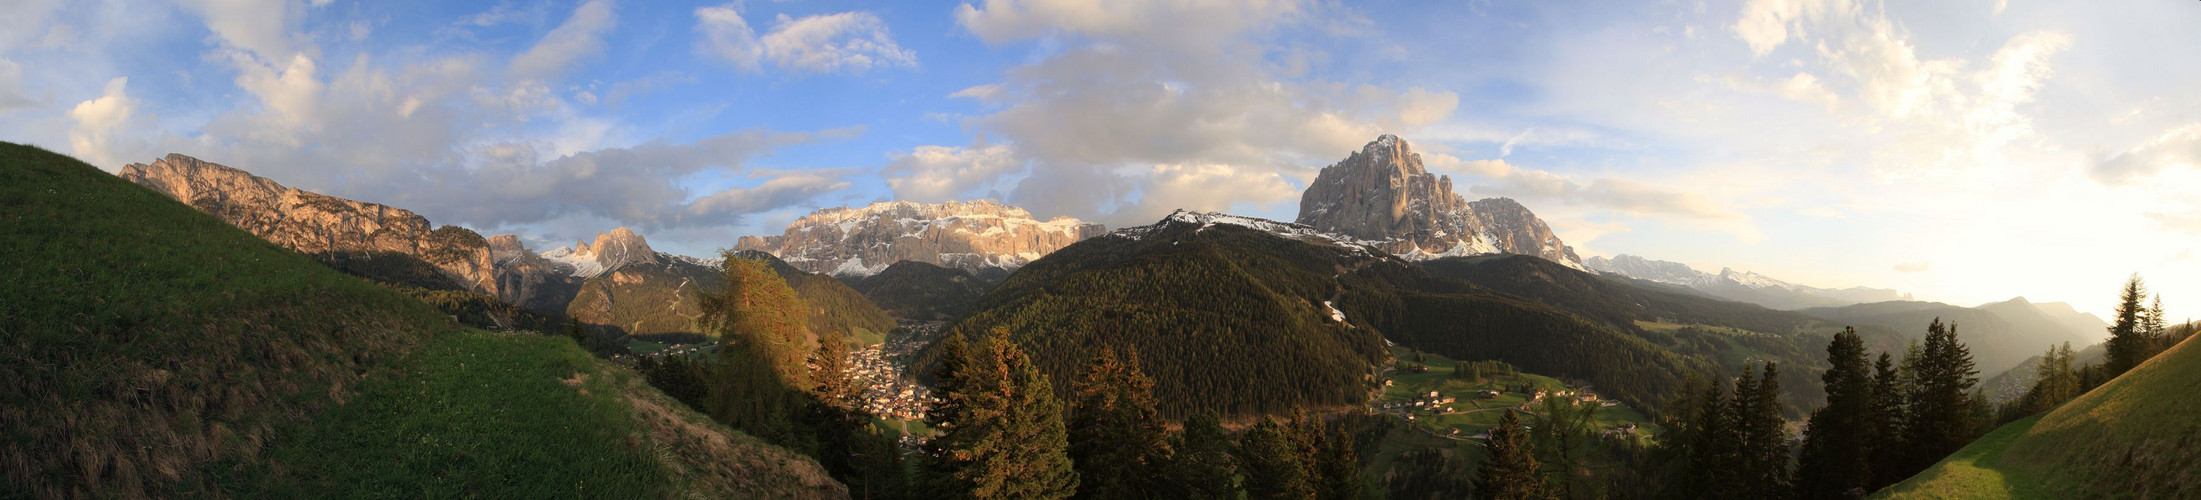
x: 1383, y: 194
x: 974, y: 236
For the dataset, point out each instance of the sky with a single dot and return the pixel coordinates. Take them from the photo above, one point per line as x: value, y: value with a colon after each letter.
x: 1964, y: 151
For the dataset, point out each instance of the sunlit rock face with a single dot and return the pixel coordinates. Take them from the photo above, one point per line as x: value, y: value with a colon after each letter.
x: 1383, y: 194
x: 317, y: 224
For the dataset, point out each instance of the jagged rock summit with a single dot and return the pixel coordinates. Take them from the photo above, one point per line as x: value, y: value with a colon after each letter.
x: 979, y: 237
x: 324, y: 226
x: 612, y: 249
x: 1384, y: 195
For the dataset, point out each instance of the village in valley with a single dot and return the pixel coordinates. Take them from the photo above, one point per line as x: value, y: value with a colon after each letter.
x: 1463, y: 400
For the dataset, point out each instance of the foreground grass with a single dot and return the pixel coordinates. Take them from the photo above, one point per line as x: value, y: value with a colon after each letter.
x: 2134, y: 437
x: 516, y: 415
x: 1972, y: 472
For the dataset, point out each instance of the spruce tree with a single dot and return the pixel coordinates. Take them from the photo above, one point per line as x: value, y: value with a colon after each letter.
x: 1890, y: 409
x: 1508, y: 471
x: 1203, y: 467
x: 1708, y: 442
x: 2157, y: 329
x: 2128, y: 343
x: 1271, y: 460
x: 1340, y: 468
x: 1942, y: 410
x: 1762, y: 436
x: 1835, y: 459
x: 1000, y: 428
x: 1117, y: 441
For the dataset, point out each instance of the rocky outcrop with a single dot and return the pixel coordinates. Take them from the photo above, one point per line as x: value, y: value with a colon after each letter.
x: 1383, y: 194
x: 316, y: 224
x: 979, y: 237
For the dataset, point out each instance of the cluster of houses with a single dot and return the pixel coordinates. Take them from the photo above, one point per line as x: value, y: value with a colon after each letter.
x: 887, y: 393
x: 682, y: 349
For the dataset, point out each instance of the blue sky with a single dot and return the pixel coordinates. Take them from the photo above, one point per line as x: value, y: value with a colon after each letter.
x: 1965, y: 151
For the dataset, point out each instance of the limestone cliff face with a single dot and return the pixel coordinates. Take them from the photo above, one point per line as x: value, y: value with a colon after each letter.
x: 318, y: 224
x: 1383, y: 194
x: 977, y: 237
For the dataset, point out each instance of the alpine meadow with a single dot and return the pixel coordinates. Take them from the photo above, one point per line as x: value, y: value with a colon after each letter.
x: 1099, y: 249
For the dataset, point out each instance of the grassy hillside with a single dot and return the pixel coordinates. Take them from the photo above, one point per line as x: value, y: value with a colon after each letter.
x: 2134, y: 437
x: 153, y: 350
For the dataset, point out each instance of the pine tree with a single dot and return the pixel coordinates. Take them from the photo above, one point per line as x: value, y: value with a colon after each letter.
x: 1271, y: 460
x: 1942, y: 409
x: 1835, y: 458
x: 2128, y: 343
x: 1117, y: 441
x: 1890, y: 410
x: 1000, y: 428
x: 1508, y: 471
x: 1203, y: 467
x: 1762, y: 437
x: 868, y: 460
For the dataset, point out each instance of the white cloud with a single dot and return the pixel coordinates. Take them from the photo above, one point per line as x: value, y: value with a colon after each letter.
x: 261, y: 27
x: 11, y: 88
x: 1149, y: 106
x: 847, y: 42
x: 93, y: 136
x: 2175, y: 148
x: 1609, y: 193
x: 582, y: 35
x: 940, y: 173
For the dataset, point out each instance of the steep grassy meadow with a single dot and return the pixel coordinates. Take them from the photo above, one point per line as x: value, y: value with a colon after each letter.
x: 2134, y: 437
x: 151, y: 350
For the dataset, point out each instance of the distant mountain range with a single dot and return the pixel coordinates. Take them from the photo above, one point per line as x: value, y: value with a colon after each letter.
x: 2001, y: 335
x: 1740, y: 286
x: 979, y: 237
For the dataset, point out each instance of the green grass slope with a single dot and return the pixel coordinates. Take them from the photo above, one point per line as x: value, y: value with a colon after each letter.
x: 2134, y: 437
x: 150, y: 350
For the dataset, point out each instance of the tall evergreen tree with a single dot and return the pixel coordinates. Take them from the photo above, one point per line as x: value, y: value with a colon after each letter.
x: 1000, y: 428
x: 1203, y: 467
x: 2128, y: 343
x: 868, y: 460
x: 2054, y: 382
x: 1941, y: 405
x: 1761, y: 437
x: 1271, y: 460
x: 1835, y: 457
x: 2157, y: 328
x: 1117, y: 441
x: 1339, y: 465
x: 1890, y: 409
x: 1508, y: 471
x: 1707, y: 440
